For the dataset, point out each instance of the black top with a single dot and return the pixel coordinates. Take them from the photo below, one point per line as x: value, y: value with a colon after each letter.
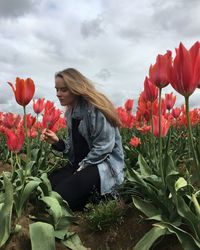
x: 80, y: 145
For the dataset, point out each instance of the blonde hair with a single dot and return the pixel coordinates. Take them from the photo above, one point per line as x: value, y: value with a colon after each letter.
x: 79, y: 85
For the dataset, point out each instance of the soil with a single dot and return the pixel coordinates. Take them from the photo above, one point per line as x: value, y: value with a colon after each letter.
x: 122, y: 236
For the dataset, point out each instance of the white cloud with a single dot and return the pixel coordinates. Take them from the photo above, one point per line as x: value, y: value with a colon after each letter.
x: 111, y: 42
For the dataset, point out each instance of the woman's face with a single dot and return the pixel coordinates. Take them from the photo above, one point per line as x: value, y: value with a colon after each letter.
x: 65, y: 97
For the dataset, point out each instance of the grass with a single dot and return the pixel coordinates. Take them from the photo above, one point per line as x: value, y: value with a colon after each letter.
x: 104, y: 215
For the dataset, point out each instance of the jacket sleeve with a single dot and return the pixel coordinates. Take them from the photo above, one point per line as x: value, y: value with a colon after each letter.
x: 63, y: 145
x: 103, y: 139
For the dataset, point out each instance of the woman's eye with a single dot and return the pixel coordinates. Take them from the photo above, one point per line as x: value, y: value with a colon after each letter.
x: 62, y: 90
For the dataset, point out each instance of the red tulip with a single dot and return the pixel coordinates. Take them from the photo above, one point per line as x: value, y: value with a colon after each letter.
x: 30, y: 120
x: 150, y: 92
x: 10, y: 120
x: 15, y: 140
x: 126, y: 118
x: 144, y: 129
x: 195, y: 54
x: 156, y: 105
x: 50, y: 117
x: 38, y: 105
x: 170, y: 100
x: 129, y: 105
x: 165, y: 125
x: 135, y: 141
x: 159, y: 72
x: 185, y: 72
x: 24, y: 90
x: 176, y: 112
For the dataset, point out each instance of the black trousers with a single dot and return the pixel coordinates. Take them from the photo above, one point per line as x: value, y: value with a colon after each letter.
x: 76, y: 187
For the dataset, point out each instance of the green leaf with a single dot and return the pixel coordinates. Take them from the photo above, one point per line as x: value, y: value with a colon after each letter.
x: 185, y: 211
x: 144, y: 167
x: 149, y: 238
x: 42, y: 236
x: 25, y: 194
x: 29, y: 167
x: 45, y: 185
x: 147, y: 208
x: 73, y: 242
x: 6, y: 211
x: 180, y: 183
x: 187, y: 241
x: 54, y: 208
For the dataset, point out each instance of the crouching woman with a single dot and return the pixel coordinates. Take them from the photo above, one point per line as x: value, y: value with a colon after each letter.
x: 93, y: 144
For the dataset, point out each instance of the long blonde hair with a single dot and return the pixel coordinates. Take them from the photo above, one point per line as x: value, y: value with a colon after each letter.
x: 79, y: 85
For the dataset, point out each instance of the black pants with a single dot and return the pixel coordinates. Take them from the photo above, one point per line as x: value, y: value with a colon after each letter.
x: 76, y: 187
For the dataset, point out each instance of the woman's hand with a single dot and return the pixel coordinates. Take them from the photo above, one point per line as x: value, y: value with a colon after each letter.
x: 49, y: 136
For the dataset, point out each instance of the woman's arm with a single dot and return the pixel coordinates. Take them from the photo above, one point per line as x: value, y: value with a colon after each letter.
x: 57, y: 143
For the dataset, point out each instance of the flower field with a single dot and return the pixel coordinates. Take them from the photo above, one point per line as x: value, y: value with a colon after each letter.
x: 161, y: 144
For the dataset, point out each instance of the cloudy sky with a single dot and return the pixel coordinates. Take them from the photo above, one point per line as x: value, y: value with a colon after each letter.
x: 112, y: 42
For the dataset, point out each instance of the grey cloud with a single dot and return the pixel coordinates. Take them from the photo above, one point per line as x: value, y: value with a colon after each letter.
x: 180, y: 17
x: 134, y: 33
x: 13, y: 8
x: 103, y: 74
x: 92, y: 28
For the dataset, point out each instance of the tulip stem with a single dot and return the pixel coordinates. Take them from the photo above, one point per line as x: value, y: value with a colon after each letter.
x: 152, y: 137
x: 26, y: 133
x: 190, y: 135
x: 160, y: 139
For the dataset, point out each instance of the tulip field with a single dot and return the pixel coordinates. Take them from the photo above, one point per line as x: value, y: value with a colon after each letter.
x: 161, y: 143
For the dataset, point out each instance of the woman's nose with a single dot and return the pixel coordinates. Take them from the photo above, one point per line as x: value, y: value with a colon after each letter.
x: 58, y: 93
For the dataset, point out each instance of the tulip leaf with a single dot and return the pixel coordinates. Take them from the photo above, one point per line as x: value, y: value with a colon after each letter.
x: 185, y: 211
x: 187, y: 240
x: 144, y: 167
x: 149, y: 238
x: 6, y: 211
x: 73, y: 242
x: 54, y: 208
x: 42, y: 236
x: 146, y: 207
x: 180, y: 183
x: 25, y: 194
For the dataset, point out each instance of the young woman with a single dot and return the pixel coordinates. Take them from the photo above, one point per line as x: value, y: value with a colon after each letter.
x: 93, y: 144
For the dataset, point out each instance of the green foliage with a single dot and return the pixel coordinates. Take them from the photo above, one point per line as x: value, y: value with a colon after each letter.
x: 104, y: 215
x: 42, y: 236
x: 169, y: 203
x: 6, y: 205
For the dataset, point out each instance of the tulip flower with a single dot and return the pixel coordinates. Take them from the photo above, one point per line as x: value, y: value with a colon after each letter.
x: 129, y: 105
x: 135, y: 141
x: 159, y: 72
x: 38, y: 105
x: 176, y: 112
x: 24, y: 90
x: 184, y: 74
x: 150, y: 92
x: 15, y: 140
x: 170, y: 100
x: 50, y: 117
x: 10, y: 120
x: 185, y: 77
x: 165, y: 125
x: 155, y: 107
x: 126, y: 118
x: 30, y: 120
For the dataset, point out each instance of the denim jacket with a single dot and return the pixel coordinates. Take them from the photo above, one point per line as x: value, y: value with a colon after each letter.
x: 104, y: 142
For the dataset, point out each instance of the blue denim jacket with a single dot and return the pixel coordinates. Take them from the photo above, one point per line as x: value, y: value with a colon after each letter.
x: 104, y: 142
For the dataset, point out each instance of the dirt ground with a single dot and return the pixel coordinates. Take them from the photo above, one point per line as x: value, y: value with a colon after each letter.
x: 123, y: 236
